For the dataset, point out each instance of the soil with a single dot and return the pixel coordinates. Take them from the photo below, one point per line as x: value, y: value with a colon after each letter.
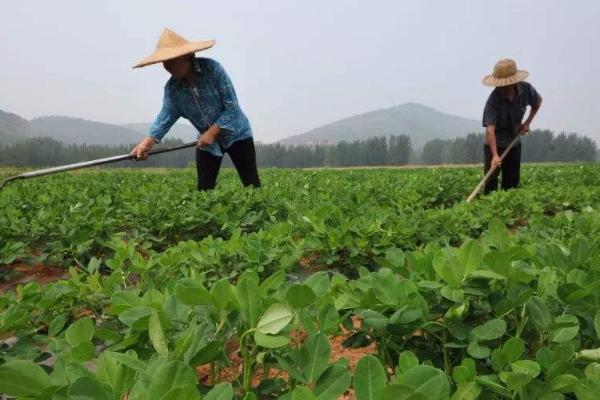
x: 20, y: 273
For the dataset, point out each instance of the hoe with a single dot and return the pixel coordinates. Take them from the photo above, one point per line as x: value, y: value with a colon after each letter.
x: 86, y: 164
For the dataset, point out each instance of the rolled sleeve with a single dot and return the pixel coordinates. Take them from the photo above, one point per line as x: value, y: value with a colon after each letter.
x: 229, y: 117
x: 490, y: 114
x: 168, y: 115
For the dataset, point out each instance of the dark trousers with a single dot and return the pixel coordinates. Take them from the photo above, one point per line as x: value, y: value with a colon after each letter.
x: 242, y: 154
x: 510, y: 167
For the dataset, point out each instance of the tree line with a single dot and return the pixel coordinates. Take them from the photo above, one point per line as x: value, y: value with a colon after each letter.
x: 538, y: 146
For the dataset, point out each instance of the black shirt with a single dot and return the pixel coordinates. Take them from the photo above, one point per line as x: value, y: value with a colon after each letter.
x: 507, y: 115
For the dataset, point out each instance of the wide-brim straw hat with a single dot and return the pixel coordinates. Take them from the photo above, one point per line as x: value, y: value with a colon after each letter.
x: 505, y: 73
x: 171, y: 45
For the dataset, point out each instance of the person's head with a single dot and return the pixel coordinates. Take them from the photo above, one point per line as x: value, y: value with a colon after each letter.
x: 179, y: 67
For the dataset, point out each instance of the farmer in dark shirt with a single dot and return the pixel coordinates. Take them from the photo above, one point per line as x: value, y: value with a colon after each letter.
x: 503, y: 120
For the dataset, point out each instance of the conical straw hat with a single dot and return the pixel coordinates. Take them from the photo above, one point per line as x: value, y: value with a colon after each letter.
x: 505, y: 73
x: 171, y: 45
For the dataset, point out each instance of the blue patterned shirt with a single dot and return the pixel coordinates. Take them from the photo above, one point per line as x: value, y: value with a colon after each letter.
x: 212, y: 101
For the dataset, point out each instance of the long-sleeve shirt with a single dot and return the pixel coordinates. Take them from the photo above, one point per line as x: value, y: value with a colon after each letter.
x: 211, y: 101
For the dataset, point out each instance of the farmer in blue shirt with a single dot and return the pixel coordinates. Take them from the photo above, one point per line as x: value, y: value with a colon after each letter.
x: 200, y: 91
x: 503, y: 121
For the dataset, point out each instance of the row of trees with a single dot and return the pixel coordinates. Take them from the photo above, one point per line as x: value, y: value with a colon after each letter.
x: 394, y: 150
x: 538, y: 146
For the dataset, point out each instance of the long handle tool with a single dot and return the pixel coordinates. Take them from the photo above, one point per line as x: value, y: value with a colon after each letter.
x: 93, y: 163
x: 492, y: 170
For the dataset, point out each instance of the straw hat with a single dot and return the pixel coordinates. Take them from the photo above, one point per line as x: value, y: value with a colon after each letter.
x: 171, y: 45
x: 505, y: 73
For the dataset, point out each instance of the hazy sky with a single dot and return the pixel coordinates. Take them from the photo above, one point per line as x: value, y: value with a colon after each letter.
x: 300, y: 64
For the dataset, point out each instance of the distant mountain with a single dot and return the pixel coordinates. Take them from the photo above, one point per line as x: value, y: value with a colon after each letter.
x: 181, y: 131
x: 13, y: 128
x: 420, y: 122
x: 77, y: 131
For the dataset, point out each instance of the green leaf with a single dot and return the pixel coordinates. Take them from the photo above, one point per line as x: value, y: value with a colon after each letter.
x: 84, y: 351
x: 539, y: 313
x: 57, y: 325
x: 246, y: 293
x: 527, y: 367
x: 369, y: 379
x: 512, y: 349
x: 123, y: 300
x: 498, y: 234
x: 523, y: 372
x: 492, y: 329
x: 470, y: 255
x: 270, y: 342
x: 477, y: 350
x: 157, y: 336
x: 465, y: 372
x: 453, y: 294
x: 302, y: 393
x: 273, y: 282
x: 592, y: 371
x: 137, y: 317
x: 400, y: 392
x: 315, y: 356
x: 587, y: 389
x: 427, y: 381
x: 191, y: 292
x: 467, y: 391
x: 300, y: 296
x: 80, y: 332
x: 552, y: 396
x: 374, y: 319
x: 118, y: 376
x: 171, y: 374
x: 407, y: 360
x: 275, y: 318
x: 182, y: 392
x: 332, y: 383
x: 597, y: 324
x: 566, y: 327
x: 563, y: 383
x: 88, y: 389
x: 127, y: 359
x: 222, y: 391
x: 223, y: 293
x: 19, y: 378
x: 318, y: 282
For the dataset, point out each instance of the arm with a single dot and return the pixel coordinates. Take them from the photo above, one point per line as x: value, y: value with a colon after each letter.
x: 165, y: 119
x: 490, y: 117
x: 532, y: 112
x: 490, y: 137
x: 534, y: 100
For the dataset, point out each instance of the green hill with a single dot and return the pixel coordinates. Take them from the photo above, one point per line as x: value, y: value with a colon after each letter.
x: 420, y: 122
x: 76, y: 130
x: 13, y: 128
